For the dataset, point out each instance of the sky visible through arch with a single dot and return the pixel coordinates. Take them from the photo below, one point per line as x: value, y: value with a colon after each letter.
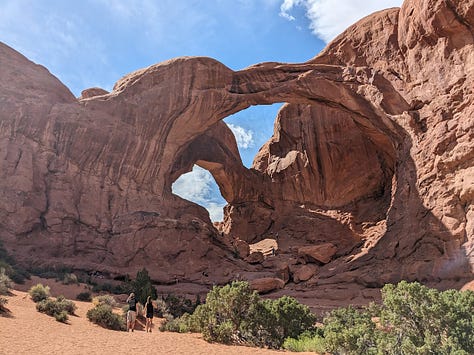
x: 93, y: 43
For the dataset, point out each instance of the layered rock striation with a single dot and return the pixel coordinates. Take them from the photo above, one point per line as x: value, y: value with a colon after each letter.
x: 371, y: 163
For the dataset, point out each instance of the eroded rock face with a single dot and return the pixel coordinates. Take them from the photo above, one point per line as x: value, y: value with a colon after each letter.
x: 267, y: 284
x: 322, y: 253
x: 373, y: 153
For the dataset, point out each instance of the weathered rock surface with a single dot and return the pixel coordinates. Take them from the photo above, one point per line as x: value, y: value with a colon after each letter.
x: 373, y: 153
x: 322, y: 252
x: 304, y: 273
x: 255, y: 258
x: 242, y: 248
x: 267, y: 284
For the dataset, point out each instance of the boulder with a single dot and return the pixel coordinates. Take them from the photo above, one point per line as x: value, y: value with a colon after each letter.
x: 304, y: 273
x: 241, y: 247
x: 267, y: 284
x: 255, y: 258
x: 322, y: 252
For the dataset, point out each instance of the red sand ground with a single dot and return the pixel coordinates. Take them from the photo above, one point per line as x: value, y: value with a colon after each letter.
x: 29, y: 332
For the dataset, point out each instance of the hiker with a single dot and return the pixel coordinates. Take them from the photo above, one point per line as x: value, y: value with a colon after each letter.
x: 148, y: 314
x: 132, y: 312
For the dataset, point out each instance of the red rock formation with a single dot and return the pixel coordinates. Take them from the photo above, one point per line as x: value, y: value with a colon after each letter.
x: 267, y: 284
x: 373, y: 153
x: 321, y: 253
x: 304, y: 273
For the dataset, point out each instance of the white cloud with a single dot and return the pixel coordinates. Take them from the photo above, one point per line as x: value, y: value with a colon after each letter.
x: 243, y: 136
x: 216, y: 211
x: 194, y: 186
x: 329, y: 18
x: 199, y: 187
x: 286, y: 7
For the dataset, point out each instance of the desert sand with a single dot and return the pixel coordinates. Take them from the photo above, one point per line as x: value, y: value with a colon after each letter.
x: 26, y: 331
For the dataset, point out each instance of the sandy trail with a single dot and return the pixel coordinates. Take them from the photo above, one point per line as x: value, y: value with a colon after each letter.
x: 29, y: 332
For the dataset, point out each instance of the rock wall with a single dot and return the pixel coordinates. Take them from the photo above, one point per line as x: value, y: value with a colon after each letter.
x: 372, y: 157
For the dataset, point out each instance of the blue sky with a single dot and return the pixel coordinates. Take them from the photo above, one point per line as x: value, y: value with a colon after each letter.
x: 91, y: 43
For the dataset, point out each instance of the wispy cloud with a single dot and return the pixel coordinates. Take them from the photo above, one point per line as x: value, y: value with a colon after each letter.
x: 244, y: 137
x: 66, y: 45
x: 199, y: 187
x: 216, y: 211
x: 286, y: 7
x: 328, y: 19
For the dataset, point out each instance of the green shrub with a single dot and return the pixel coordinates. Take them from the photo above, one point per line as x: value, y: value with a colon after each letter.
x: 306, y: 342
x: 84, y: 296
x: 412, y: 319
x: 104, y: 299
x: 5, y: 282
x: 61, y: 316
x: 39, y: 292
x: 59, y: 308
x: 110, y: 288
x: 70, y: 279
x: 66, y: 305
x: 231, y: 304
x: 103, y: 315
x: 58, y: 272
x: 18, y: 275
x: 291, y: 317
x: 14, y: 272
x: 178, y: 305
x: 162, y: 310
x: 349, y: 331
x: 47, y: 306
x: 418, y: 319
x: 236, y: 314
x: 178, y: 325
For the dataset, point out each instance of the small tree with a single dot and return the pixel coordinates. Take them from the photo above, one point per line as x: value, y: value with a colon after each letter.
x: 226, y: 308
x: 235, y: 314
x: 292, y: 317
x: 419, y: 319
x: 349, y: 331
x: 143, y: 286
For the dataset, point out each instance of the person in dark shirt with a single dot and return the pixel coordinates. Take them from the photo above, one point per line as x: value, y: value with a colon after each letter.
x: 149, y: 314
x: 132, y: 312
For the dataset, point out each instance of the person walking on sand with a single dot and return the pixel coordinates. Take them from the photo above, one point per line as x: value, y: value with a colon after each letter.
x: 148, y: 314
x: 132, y: 312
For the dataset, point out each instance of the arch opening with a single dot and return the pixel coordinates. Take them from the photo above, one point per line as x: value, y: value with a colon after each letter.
x: 199, y: 186
x: 252, y: 128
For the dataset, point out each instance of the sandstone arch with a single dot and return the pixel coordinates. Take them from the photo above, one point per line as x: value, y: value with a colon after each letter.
x: 88, y: 182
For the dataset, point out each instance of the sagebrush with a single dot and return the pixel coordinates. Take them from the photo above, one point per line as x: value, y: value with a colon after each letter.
x: 412, y: 319
x: 103, y: 315
x: 39, y: 292
x: 58, y: 308
x: 236, y: 314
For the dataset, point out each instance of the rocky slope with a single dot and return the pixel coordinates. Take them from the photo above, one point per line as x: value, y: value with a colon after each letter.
x: 368, y: 178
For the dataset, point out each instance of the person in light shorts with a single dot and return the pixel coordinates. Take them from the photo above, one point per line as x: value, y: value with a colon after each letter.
x: 132, y: 312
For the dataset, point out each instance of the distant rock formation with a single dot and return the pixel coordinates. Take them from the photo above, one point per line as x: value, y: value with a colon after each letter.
x: 373, y: 154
